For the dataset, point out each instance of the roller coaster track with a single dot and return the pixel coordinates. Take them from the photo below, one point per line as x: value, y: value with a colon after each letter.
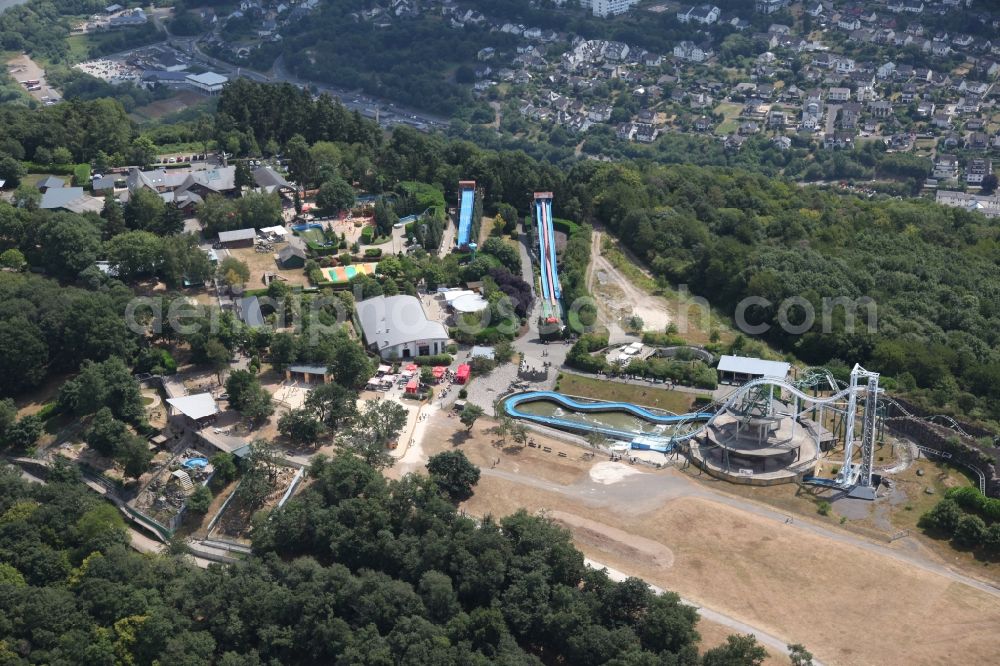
x: 812, y: 377
x: 934, y: 418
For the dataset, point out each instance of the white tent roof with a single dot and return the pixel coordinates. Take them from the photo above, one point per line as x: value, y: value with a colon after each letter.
x: 470, y: 303
x: 746, y: 365
x: 277, y: 231
x: 195, y: 406
x: 452, y: 295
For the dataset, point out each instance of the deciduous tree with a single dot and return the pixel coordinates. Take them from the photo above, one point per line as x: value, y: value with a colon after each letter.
x: 453, y: 474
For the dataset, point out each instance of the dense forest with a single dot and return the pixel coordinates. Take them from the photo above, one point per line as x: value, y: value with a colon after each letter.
x: 355, y: 570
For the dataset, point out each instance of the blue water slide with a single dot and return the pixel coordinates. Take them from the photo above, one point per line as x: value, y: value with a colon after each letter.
x: 539, y: 220
x: 556, y: 289
x: 512, y: 403
x: 465, y: 216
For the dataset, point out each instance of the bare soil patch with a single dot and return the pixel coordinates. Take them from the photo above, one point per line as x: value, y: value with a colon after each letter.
x: 444, y: 432
x: 260, y: 263
x: 611, y: 539
x: 23, y: 68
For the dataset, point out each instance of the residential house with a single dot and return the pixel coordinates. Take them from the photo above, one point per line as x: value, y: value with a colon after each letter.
x: 903, y: 72
x: 845, y: 65
x: 945, y: 167
x: 824, y: 59
x: 988, y: 205
x: 770, y: 6
x: 838, y: 95
x: 652, y: 60
x: 977, y: 141
x: 886, y: 71
x: 941, y: 120
x: 977, y: 169
x: 941, y: 49
x: 626, y: 131
x: 850, y: 115
x: 908, y: 93
x: 599, y: 113
x: 839, y: 140
x: 951, y: 140
x: 926, y: 108
x: 645, y: 133
x: 776, y: 120
x: 691, y: 52
x: 701, y: 14
x: 880, y: 109
x: 734, y: 142
x: 848, y: 23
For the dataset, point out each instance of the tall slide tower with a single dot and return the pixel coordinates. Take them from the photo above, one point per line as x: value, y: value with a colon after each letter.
x: 466, y: 208
x: 551, y: 291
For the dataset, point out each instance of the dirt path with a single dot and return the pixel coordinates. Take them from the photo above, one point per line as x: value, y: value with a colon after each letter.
x: 618, y: 298
x: 23, y: 68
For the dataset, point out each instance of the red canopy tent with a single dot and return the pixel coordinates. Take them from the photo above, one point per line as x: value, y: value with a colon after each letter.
x: 412, y: 385
x: 439, y: 371
x: 462, y: 374
x: 412, y: 367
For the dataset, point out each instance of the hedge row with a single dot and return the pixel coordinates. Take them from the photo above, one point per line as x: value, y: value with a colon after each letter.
x: 568, y: 227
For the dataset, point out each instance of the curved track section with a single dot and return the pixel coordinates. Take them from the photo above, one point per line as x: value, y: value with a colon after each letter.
x: 566, y: 402
x: 938, y: 419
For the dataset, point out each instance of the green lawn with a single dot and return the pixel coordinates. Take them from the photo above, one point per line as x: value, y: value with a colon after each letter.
x: 730, y: 122
x: 314, y: 235
x: 602, y: 389
x: 79, y: 48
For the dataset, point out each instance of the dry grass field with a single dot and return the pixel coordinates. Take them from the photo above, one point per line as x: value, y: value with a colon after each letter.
x: 807, y: 585
x: 264, y: 262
